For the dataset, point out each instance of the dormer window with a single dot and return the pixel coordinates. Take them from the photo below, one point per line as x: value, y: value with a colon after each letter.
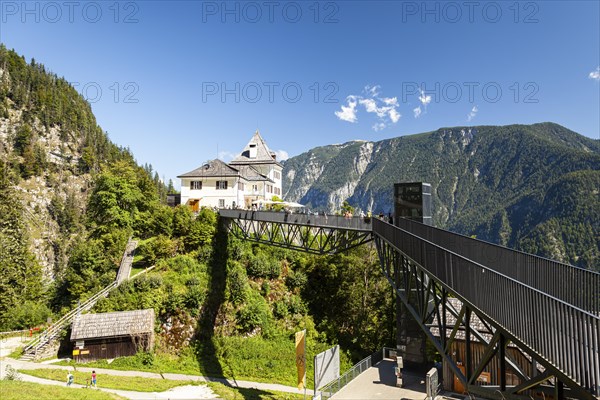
x: 253, y: 150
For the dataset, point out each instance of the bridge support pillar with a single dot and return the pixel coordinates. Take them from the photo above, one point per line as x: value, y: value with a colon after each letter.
x: 410, y: 340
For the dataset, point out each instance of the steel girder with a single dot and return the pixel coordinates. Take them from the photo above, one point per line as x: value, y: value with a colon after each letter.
x: 307, y: 238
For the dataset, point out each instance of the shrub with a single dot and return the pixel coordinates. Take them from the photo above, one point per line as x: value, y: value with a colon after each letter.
x: 296, y: 305
x: 296, y: 279
x: 255, y: 314
x: 280, y: 310
x: 237, y: 283
x: 261, y: 266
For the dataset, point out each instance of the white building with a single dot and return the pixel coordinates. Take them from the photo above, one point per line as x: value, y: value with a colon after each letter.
x: 254, y: 174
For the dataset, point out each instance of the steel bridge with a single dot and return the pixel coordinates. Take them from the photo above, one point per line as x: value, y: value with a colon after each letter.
x: 529, y: 326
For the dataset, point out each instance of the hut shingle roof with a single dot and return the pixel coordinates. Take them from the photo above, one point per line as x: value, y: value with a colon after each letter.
x: 112, y: 324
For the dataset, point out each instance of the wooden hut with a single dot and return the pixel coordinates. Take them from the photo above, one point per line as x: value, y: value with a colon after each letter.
x: 111, y: 335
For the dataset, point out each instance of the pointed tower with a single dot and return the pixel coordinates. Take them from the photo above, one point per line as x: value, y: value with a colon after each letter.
x: 258, y: 156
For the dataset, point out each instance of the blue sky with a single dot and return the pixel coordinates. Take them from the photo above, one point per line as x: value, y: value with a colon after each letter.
x: 182, y: 82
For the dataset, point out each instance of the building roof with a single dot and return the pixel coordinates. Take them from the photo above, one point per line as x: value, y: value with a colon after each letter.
x: 218, y: 169
x: 263, y: 154
x: 211, y: 169
x: 251, y: 174
x: 476, y: 323
x: 112, y: 324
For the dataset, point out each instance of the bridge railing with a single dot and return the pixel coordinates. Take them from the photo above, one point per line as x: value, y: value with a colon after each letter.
x: 323, y: 221
x: 336, y: 385
x: 573, y: 285
x: 567, y: 336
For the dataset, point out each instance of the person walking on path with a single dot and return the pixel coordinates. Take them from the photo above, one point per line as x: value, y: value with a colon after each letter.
x: 94, y: 378
x: 70, y: 379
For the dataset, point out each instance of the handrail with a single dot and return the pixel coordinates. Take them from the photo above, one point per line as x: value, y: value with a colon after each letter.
x: 321, y: 221
x: 56, y: 327
x: 327, y: 391
x: 566, y: 336
x: 574, y: 285
x: 51, y: 332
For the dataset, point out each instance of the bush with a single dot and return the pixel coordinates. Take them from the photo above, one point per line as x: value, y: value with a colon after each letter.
x: 237, y: 282
x: 255, y: 314
x: 28, y: 314
x: 296, y: 279
x: 280, y: 310
x: 159, y: 248
x: 296, y: 305
x: 261, y: 266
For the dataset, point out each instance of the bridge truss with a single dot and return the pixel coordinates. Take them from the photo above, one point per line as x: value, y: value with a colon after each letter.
x: 308, y: 233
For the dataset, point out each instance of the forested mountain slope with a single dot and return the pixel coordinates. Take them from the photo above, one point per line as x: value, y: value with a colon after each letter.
x: 51, y: 151
x: 531, y: 187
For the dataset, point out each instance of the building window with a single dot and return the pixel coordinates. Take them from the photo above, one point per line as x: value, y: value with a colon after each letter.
x: 269, y: 189
x: 196, y: 185
x: 221, y: 185
x: 240, y: 186
x: 277, y: 191
x: 221, y: 203
x: 255, y: 188
x: 277, y: 175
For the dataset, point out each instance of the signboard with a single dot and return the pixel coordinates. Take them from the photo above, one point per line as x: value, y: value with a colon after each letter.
x: 327, y: 366
x: 76, y: 352
x: 85, y: 352
x: 431, y: 383
x: 301, y: 358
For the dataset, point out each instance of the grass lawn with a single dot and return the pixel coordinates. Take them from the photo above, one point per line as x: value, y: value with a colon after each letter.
x: 230, y: 393
x: 134, y: 383
x: 17, y: 390
x: 252, y: 359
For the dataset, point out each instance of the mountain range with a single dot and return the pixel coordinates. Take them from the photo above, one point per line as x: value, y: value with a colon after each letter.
x: 531, y: 187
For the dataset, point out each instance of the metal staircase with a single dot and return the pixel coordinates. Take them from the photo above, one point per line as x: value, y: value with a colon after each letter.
x: 37, y: 346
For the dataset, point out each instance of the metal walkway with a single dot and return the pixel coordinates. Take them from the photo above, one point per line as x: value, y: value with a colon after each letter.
x: 537, y: 319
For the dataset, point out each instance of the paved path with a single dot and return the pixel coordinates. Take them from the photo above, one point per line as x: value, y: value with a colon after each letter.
x: 24, y: 365
x: 181, y: 392
x: 379, y: 383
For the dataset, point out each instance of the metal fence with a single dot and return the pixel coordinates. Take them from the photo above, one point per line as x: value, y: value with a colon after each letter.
x: 325, y: 221
x: 332, y: 388
x: 573, y: 285
x: 566, y: 336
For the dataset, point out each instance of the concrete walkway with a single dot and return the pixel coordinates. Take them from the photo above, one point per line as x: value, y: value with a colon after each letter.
x: 379, y: 383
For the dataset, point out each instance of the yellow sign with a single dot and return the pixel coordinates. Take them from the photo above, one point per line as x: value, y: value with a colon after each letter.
x: 85, y: 352
x: 75, y: 352
x: 301, y: 358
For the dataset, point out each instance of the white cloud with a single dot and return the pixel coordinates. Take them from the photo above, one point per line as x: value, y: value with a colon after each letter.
x: 226, y: 156
x: 348, y: 113
x: 281, y: 155
x: 424, y: 99
x: 417, y: 112
x: 394, y: 115
x: 472, y: 114
x: 379, y: 126
x: 390, y: 101
x: 372, y: 91
x: 386, y: 108
x: 370, y: 105
x: 595, y: 75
